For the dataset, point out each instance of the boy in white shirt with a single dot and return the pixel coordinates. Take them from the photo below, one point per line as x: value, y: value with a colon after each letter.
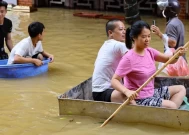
x: 30, y: 50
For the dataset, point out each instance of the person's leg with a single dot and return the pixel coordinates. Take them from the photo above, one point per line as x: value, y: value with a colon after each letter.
x: 156, y: 102
x: 169, y: 104
x: 38, y: 56
x: 103, y: 96
x: 111, y: 95
x: 171, y: 96
x: 119, y: 97
x: 159, y: 99
x: 177, y: 93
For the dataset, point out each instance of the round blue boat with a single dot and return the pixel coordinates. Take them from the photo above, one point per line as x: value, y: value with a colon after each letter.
x: 22, y: 70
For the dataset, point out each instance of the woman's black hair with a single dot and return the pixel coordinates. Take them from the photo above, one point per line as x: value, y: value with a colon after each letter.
x: 128, y: 40
x: 135, y: 31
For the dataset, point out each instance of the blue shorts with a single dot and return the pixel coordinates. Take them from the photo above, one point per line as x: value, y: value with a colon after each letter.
x: 160, y: 94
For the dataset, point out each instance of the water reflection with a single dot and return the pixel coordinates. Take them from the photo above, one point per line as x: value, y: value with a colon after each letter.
x: 30, y: 106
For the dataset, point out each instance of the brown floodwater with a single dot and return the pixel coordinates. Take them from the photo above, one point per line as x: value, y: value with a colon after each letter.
x: 30, y: 106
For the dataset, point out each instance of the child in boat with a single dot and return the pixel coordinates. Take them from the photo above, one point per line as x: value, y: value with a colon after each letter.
x: 30, y: 50
x: 106, y: 62
x: 138, y: 64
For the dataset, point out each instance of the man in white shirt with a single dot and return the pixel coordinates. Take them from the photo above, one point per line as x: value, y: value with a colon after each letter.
x: 30, y: 50
x: 107, y: 61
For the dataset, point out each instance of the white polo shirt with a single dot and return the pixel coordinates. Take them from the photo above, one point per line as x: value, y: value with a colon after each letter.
x: 106, y: 63
x: 25, y: 48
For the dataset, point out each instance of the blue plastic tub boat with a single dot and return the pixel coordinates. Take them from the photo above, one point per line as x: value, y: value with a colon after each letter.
x: 22, y: 70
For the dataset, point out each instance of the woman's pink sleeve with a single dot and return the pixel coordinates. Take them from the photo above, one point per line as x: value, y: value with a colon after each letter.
x: 124, y: 67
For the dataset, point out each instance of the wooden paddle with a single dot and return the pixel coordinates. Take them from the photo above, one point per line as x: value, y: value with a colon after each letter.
x: 141, y: 87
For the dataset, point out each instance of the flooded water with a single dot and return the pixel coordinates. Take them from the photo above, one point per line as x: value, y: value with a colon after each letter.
x: 30, y: 106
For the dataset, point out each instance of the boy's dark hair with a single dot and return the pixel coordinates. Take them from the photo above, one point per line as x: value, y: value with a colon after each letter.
x: 35, y: 28
x: 135, y: 31
x: 110, y: 25
x: 3, y: 4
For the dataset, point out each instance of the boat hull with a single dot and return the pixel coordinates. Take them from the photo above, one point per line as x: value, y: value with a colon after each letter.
x: 78, y: 101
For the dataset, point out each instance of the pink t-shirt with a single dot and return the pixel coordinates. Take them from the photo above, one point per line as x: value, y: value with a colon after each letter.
x: 136, y: 69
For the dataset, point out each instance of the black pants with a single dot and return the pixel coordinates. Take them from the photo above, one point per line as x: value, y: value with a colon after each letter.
x: 103, y: 96
x: 36, y: 55
x: 3, y: 55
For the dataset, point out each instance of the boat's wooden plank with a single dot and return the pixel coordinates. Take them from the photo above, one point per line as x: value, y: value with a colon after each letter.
x: 81, y: 91
x: 159, y: 116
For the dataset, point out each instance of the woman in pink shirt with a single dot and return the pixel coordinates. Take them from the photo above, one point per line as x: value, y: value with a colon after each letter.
x: 138, y: 64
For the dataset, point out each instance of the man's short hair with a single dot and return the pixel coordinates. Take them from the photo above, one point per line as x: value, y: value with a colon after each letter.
x: 3, y: 4
x: 110, y: 25
x: 35, y: 29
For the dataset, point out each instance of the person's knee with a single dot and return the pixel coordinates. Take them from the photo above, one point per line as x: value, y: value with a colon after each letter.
x: 40, y: 56
x: 173, y: 106
x: 183, y: 89
x: 169, y: 104
x: 177, y: 89
x: 117, y: 97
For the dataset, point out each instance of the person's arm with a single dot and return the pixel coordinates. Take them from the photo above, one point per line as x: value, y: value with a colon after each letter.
x: 122, y: 49
x: 48, y: 55
x: 20, y: 60
x: 172, y: 43
x: 8, y: 41
x: 161, y: 57
x: 171, y: 34
x: 119, y: 87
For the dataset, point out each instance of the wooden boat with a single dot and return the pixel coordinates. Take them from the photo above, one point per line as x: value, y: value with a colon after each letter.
x: 97, y: 15
x: 110, y: 17
x: 79, y: 101
x: 88, y: 15
x: 22, y: 70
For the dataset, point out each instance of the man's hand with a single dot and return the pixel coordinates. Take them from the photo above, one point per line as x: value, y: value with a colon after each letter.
x: 156, y: 30
x: 51, y: 57
x: 48, y: 55
x: 37, y: 62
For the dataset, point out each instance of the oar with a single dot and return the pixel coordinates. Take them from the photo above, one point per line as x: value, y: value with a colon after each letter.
x: 141, y: 87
